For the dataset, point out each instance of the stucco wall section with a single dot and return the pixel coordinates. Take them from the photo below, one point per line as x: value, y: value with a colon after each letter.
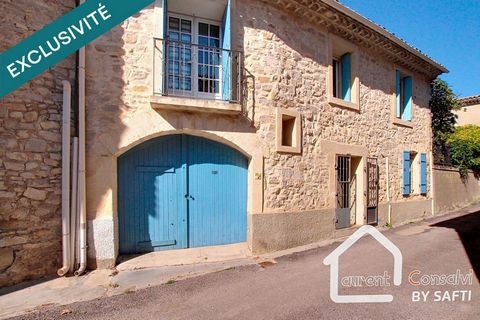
x: 30, y: 152
x: 468, y: 115
x: 452, y: 192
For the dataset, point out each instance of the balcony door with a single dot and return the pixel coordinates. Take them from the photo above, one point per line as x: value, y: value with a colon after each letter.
x: 194, y: 57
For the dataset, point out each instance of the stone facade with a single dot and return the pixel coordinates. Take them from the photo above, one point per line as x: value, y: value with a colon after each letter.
x: 291, y: 197
x: 30, y: 152
x: 288, y: 57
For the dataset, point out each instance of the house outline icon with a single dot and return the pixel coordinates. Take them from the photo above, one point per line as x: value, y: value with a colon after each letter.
x: 333, y: 261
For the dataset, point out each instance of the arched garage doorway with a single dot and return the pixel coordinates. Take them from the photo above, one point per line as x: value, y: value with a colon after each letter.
x: 181, y: 191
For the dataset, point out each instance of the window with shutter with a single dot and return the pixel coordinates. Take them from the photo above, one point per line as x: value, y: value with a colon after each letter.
x: 403, y: 96
x: 406, y: 173
x: 423, y: 173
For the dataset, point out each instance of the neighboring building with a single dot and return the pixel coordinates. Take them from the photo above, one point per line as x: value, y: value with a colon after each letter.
x: 269, y: 123
x: 30, y: 152
x: 469, y: 112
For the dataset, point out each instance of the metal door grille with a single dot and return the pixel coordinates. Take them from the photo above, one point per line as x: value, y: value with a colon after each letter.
x: 372, y: 191
x: 346, y: 193
x: 343, y: 182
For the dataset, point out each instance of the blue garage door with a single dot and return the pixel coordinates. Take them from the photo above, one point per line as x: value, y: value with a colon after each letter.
x: 181, y: 191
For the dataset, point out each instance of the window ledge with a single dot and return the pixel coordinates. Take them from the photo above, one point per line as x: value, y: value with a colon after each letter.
x: 402, y: 123
x: 192, y: 104
x: 286, y: 149
x: 344, y: 104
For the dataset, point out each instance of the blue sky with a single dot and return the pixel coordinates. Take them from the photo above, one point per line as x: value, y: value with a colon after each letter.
x: 446, y: 30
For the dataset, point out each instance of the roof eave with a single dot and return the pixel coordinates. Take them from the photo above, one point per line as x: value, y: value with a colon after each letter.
x: 345, y: 10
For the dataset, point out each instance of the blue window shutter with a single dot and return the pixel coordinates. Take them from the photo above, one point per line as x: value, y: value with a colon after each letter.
x: 346, y: 75
x: 226, y: 53
x: 406, y: 173
x: 407, y: 99
x: 165, y: 18
x: 423, y: 173
x: 398, y: 89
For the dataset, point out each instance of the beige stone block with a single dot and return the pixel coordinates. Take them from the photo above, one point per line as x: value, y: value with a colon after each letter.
x: 19, y: 156
x: 31, y: 116
x: 36, y: 145
x: 4, y: 194
x: 12, y: 241
x: 6, y: 258
x: 35, y: 194
x: 14, y: 166
x: 47, y: 125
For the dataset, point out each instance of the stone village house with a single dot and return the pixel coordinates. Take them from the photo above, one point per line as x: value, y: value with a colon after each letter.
x: 269, y: 123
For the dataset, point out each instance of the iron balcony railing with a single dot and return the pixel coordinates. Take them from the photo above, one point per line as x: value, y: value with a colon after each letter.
x: 190, y: 70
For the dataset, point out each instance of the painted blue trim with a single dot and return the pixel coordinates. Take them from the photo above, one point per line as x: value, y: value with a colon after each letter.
x: 226, y: 54
x: 406, y: 173
x: 346, y: 77
x: 423, y: 173
x: 165, y: 49
x: 398, y: 80
x: 407, y: 99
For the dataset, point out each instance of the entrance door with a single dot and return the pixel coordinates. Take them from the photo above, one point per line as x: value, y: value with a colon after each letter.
x: 372, y: 191
x: 346, y: 193
x: 181, y: 191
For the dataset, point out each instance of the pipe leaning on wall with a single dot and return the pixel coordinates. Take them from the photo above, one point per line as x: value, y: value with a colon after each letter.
x: 66, y: 113
x: 387, y: 171
x: 81, y: 164
x: 73, y: 206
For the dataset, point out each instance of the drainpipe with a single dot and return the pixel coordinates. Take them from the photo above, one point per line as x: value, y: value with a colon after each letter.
x: 73, y: 206
x: 388, y: 193
x: 66, y: 114
x: 81, y: 163
x: 432, y: 183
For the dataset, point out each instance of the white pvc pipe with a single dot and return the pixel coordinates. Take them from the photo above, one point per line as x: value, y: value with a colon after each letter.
x: 66, y: 114
x: 81, y: 164
x: 74, y: 207
x: 388, y: 191
x: 82, y: 239
x: 432, y: 183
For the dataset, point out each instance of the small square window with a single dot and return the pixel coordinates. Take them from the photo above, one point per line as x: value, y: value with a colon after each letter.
x: 288, y: 131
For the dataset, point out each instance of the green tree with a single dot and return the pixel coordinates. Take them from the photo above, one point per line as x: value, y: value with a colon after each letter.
x: 442, y: 103
x: 464, y: 145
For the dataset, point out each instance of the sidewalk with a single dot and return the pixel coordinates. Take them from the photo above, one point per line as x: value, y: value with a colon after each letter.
x: 153, y: 269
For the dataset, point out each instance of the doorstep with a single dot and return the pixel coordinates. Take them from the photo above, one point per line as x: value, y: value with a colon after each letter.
x: 237, y: 251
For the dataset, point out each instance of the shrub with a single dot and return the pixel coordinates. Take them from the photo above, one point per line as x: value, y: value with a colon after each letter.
x: 464, y: 144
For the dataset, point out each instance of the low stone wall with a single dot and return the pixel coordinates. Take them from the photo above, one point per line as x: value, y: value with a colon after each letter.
x: 30, y: 152
x: 452, y: 192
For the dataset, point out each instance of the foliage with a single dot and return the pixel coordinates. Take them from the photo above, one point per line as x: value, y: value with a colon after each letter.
x: 464, y: 145
x: 442, y: 103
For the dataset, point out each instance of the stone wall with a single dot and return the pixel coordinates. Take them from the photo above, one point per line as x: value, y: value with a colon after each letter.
x: 288, y: 58
x: 452, y: 192
x: 30, y: 152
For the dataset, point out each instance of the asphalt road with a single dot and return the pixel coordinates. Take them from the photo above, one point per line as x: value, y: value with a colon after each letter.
x: 298, y: 286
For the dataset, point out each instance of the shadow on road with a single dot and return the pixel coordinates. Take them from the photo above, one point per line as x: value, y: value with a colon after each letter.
x: 468, y: 228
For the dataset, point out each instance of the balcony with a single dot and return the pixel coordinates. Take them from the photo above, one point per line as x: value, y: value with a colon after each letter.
x: 197, y: 77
